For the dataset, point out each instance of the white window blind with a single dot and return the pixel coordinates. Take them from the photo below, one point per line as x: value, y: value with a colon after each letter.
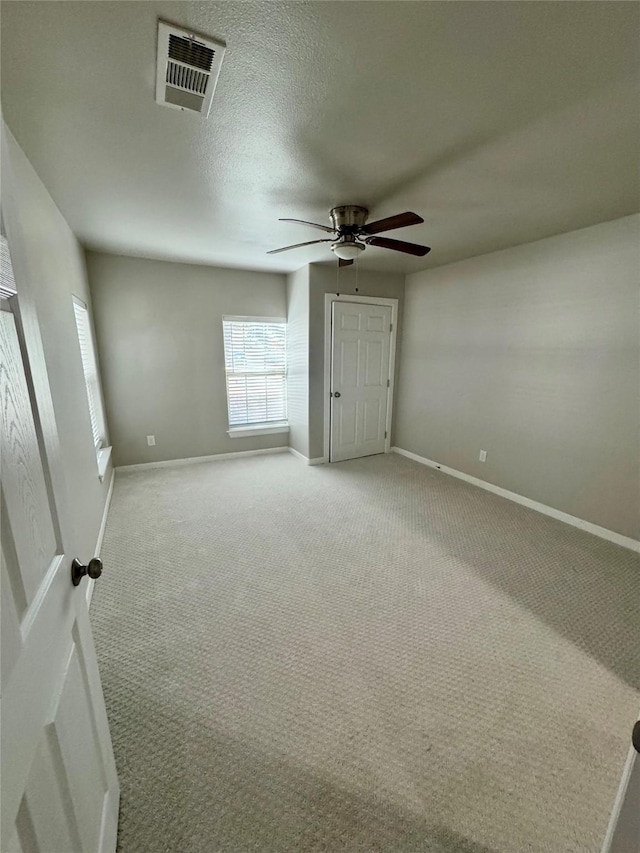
x: 255, y: 351
x: 7, y: 281
x: 90, y: 368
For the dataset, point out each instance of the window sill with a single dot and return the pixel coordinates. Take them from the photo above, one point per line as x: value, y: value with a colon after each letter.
x: 257, y: 429
x: 104, y: 457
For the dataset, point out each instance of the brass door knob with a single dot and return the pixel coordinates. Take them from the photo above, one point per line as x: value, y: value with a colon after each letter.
x: 93, y: 569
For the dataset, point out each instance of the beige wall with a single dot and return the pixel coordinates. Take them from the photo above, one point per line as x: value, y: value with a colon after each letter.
x: 159, y: 333
x: 532, y: 354
x: 323, y: 279
x: 49, y: 262
x: 298, y: 359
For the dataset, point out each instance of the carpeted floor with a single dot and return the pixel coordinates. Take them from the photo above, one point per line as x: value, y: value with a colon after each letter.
x: 369, y: 656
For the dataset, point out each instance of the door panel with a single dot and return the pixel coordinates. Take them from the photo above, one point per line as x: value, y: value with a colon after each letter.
x: 25, y: 498
x: 80, y: 772
x: 373, y: 420
x: 11, y: 638
x: 374, y: 365
x: 349, y: 322
x: 360, y: 349
x: 375, y: 324
x: 349, y: 356
x: 348, y: 419
x: 59, y: 784
x: 45, y: 815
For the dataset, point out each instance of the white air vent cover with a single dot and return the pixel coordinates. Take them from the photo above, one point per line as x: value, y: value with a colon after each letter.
x: 188, y: 69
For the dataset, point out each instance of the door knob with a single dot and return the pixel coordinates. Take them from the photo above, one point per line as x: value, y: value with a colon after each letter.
x: 78, y: 570
x: 337, y: 394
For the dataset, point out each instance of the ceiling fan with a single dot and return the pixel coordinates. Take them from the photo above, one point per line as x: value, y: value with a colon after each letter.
x: 351, y: 234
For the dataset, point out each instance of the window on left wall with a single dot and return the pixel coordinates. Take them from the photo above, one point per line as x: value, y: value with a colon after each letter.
x: 92, y: 384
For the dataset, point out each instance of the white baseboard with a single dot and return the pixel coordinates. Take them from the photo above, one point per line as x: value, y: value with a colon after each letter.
x: 194, y: 460
x: 299, y: 455
x: 319, y: 460
x: 103, y: 525
x: 602, y: 532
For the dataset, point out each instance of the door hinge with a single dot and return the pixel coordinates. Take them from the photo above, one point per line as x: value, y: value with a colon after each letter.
x: 385, y: 435
x: 391, y: 327
x: 388, y: 383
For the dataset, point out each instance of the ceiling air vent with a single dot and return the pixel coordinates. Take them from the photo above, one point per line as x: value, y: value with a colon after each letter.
x: 188, y: 68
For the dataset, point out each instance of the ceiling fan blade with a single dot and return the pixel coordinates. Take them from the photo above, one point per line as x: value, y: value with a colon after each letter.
x: 342, y: 263
x: 399, y: 246
x: 297, y: 246
x: 400, y: 220
x: 312, y: 224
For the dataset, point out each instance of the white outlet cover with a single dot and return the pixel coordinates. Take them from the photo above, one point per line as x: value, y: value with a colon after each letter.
x: 483, y: 455
x: 151, y: 440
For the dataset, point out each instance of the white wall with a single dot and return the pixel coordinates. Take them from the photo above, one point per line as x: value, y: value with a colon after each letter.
x: 159, y: 334
x: 48, y: 260
x: 298, y: 359
x: 532, y: 354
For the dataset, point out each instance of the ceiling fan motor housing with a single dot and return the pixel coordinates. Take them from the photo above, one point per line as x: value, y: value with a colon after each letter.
x: 348, y: 219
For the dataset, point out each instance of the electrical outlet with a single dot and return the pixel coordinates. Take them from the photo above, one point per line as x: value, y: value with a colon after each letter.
x: 483, y: 455
x: 151, y: 440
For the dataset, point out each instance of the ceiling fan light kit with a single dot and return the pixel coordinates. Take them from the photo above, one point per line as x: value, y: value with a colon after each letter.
x: 347, y: 250
x: 349, y: 222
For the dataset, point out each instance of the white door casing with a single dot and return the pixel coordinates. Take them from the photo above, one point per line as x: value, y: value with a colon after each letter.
x: 59, y: 786
x: 623, y: 833
x: 360, y: 378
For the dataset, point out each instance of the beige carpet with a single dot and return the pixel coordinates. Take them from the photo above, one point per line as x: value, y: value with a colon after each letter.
x: 369, y: 656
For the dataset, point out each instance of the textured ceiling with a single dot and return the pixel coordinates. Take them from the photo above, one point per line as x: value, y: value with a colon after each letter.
x: 498, y: 122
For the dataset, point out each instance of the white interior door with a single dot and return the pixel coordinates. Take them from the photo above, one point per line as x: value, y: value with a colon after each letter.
x: 360, y: 393
x: 59, y: 785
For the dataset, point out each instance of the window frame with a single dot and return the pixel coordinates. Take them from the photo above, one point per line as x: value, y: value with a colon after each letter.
x: 251, y: 428
x: 94, y: 396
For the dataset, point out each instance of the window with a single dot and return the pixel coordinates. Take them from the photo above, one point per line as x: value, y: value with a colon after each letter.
x: 7, y: 281
x: 255, y: 357
x: 91, y: 378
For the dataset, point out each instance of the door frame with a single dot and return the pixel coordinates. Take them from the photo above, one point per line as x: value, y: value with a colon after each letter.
x: 388, y: 302
x: 625, y: 820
